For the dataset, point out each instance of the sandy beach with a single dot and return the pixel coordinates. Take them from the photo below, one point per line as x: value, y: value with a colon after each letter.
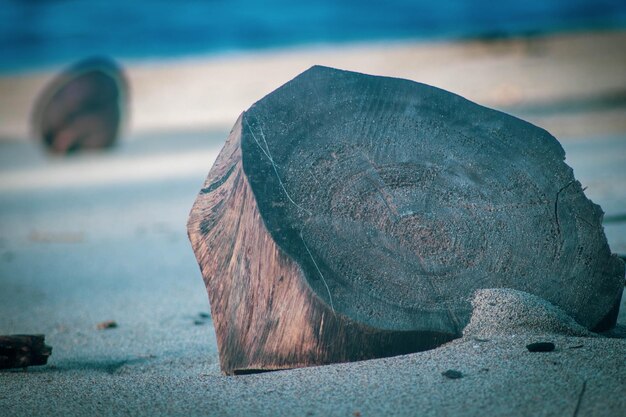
x: 101, y: 236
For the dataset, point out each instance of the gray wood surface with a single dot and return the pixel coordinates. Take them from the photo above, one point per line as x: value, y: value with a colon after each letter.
x: 350, y: 204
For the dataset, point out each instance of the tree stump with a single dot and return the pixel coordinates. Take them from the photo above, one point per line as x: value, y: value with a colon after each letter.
x: 21, y: 351
x: 82, y: 108
x: 351, y: 216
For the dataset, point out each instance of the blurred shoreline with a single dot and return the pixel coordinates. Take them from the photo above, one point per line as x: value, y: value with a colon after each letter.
x: 40, y: 33
x: 572, y: 84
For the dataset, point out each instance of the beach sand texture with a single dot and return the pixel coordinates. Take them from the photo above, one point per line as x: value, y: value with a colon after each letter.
x: 101, y: 236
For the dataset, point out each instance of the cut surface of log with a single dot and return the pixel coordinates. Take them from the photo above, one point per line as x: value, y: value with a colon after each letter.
x: 21, y: 351
x: 82, y: 108
x: 351, y: 216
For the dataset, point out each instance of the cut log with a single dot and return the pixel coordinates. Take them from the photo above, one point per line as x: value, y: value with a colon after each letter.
x: 351, y: 216
x: 82, y: 108
x: 21, y: 351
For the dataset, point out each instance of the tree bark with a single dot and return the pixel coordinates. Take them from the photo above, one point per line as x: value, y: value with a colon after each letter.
x: 351, y: 216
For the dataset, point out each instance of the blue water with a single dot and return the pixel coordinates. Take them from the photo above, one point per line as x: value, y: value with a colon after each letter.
x: 40, y: 33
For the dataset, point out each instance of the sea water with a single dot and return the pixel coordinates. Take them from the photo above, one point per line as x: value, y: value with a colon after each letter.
x: 40, y: 33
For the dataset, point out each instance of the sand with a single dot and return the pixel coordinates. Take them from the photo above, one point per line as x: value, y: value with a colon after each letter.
x: 503, y: 311
x: 536, y: 77
x: 102, y: 236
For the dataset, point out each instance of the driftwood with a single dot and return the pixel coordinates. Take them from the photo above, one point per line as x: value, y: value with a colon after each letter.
x: 82, y: 108
x: 350, y: 217
x: 21, y: 351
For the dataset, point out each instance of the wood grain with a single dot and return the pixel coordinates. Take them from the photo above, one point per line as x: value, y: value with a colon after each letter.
x: 351, y: 216
x: 266, y: 316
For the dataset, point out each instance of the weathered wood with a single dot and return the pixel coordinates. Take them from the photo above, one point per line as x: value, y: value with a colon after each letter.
x: 82, y: 108
x: 21, y: 351
x: 350, y: 216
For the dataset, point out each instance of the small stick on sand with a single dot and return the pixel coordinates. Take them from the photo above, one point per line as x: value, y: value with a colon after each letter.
x: 580, y: 398
x: 21, y: 351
